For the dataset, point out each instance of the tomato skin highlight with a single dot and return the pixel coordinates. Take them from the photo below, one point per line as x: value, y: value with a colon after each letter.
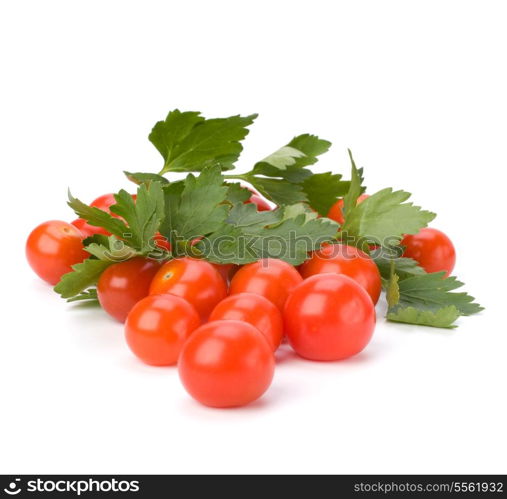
x: 329, y: 317
x: 226, y: 364
x: 254, y: 309
x: 335, y: 212
x: 88, y: 230
x: 346, y: 260
x: 432, y: 249
x: 274, y: 279
x: 259, y: 202
x: 197, y: 281
x: 52, y: 248
x: 158, y: 326
x: 123, y: 284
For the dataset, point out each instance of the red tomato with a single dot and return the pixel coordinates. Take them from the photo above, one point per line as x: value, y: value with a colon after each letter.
x: 347, y: 260
x: 335, y: 213
x: 261, y: 203
x: 432, y: 249
x: 162, y: 242
x: 157, y: 327
x: 257, y: 200
x: 329, y: 317
x: 274, y: 279
x: 226, y: 364
x: 254, y: 309
x: 123, y: 284
x: 88, y: 230
x: 52, y: 248
x: 195, y: 280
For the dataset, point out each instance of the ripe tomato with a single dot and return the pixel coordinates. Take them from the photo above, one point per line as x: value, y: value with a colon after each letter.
x: 329, y: 317
x: 195, y: 280
x: 226, y: 364
x: 123, y: 284
x: 162, y: 242
x: 157, y: 327
x: 88, y: 230
x: 346, y: 260
x: 257, y: 200
x: 432, y: 249
x: 52, y: 247
x: 335, y: 213
x: 254, y: 309
x: 274, y: 279
x: 261, y: 203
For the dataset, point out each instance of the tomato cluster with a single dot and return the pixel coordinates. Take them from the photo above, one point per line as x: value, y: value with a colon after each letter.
x: 222, y: 324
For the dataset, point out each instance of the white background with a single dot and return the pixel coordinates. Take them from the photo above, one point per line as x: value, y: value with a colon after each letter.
x: 416, y: 89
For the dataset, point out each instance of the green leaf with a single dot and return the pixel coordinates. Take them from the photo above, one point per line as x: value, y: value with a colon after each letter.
x: 189, y: 142
x: 111, y: 249
x: 289, y: 161
x: 403, y: 267
x: 443, y: 317
x: 99, y: 218
x: 430, y: 291
x: 323, y: 189
x: 83, y: 276
x: 237, y: 194
x: 280, y: 176
x: 384, y: 218
x: 143, y: 216
x: 250, y: 235
x: 89, y: 296
x: 393, y: 291
x: 145, y: 178
x: 193, y: 207
x: 280, y: 191
x: 356, y: 187
x: 428, y: 300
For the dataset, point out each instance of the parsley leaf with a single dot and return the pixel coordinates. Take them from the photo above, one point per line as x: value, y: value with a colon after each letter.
x: 189, y: 142
x: 83, y: 276
x: 249, y: 235
x: 143, y: 215
x: 145, y: 178
x: 356, y: 186
x: 404, y: 267
x: 237, y: 194
x: 194, y: 207
x: 280, y: 175
x: 429, y: 300
x: 323, y: 189
x: 89, y: 296
x: 384, y: 217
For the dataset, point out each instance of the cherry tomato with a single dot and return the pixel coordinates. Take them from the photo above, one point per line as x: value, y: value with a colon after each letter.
x: 88, y: 230
x: 162, y: 242
x: 257, y: 200
x: 261, y: 203
x: 432, y: 249
x: 123, y: 284
x: 195, y: 280
x: 226, y: 364
x: 335, y: 213
x: 274, y: 279
x: 157, y: 327
x: 254, y: 309
x: 52, y: 248
x: 346, y: 260
x: 329, y: 317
